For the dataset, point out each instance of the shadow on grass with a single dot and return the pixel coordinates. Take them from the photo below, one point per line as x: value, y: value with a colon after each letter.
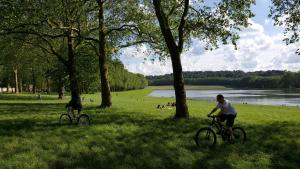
x: 118, y: 139
x: 7, y: 96
x: 33, y: 108
x: 163, y: 143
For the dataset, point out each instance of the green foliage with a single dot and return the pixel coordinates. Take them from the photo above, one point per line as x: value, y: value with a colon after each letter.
x: 212, y: 24
x: 286, y: 14
x: 258, y: 79
x: 38, y: 31
x: 120, y: 79
x: 134, y: 134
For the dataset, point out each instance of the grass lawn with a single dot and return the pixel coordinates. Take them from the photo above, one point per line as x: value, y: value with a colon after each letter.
x: 134, y: 134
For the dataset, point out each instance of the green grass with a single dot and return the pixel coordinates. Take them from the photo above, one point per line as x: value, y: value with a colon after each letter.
x: 190, y: 87
x: 134, y: 134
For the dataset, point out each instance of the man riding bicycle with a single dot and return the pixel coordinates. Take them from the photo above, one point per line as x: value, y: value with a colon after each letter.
x: 71, y: 106
x: 227, y: 113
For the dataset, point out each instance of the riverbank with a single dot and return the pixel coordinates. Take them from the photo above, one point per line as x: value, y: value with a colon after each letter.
x: 134, y: 134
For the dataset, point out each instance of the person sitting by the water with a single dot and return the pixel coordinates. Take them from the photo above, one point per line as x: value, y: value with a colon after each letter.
x: 227, y: 113
x: 39, y: 96
x: 173, y: 104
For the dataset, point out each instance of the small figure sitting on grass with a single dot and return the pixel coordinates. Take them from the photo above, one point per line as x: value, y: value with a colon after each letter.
x: 39, y: 97
x: 173, y: 104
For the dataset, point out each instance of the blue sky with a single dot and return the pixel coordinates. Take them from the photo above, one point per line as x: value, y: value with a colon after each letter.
x: 259, y: 48
x: 261, y: 10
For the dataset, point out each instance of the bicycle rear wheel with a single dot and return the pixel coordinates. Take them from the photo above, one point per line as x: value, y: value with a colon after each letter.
x: 65, y: 119
x: 239, y: 135
x: 83, y: 120
x: 205, y: 137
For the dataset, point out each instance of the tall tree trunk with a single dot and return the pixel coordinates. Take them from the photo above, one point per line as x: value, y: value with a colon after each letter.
x: 21, y: 86
x: 181, y: 106
x: 75, y: 94
x: 16, y: 81
x: 105, y: 87
x: 33, y: 81
x: 28, y: 87
x: 48, y: 86
x: 175, y: 52
x: 61, y: 92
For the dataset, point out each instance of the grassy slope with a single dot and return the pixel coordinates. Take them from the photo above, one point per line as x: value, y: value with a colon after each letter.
x: 133, y: 134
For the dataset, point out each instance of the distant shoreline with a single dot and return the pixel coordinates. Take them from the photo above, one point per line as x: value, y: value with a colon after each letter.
x: 214, y: 87
x: 191, y: 87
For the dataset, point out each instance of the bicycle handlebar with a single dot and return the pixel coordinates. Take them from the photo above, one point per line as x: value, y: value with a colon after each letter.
x: 212, y: 116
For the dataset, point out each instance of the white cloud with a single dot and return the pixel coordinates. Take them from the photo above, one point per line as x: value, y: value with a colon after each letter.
x: 267, y: 21
x: 256, y: 51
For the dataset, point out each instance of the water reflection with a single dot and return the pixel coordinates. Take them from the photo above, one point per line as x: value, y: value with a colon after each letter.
x: 263, y: 97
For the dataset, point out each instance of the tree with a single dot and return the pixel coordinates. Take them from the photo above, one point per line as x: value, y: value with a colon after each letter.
x: 12, y: 58
x: 179, y: 21
x: 53, y: 26
x: 116, y: 29
x: 105, y: 87
x: 28, y: 64
x: 286, y: 13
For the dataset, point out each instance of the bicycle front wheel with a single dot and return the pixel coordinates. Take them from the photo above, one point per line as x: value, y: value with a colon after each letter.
x: 83, y: 120
x: 205, y: 137
x: 65, y: 119
x: 239, y: 135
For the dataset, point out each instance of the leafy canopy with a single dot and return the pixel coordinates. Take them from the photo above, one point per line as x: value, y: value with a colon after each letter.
x: 286, y: 13
x: 212, y: 23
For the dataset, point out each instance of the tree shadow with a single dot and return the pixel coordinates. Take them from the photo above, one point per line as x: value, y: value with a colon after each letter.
x: 7, y: 96
x: 35, y: 108
x: 164, y: 143
x: 121, y: 139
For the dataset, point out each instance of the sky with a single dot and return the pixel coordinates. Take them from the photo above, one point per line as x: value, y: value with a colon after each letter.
x: 260, y: 47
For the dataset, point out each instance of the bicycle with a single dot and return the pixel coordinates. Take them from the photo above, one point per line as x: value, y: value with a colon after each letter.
x: 208, y: 137
x: 74, y: 118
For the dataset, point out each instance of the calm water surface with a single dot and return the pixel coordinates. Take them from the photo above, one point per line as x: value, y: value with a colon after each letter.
x: 264, y: 97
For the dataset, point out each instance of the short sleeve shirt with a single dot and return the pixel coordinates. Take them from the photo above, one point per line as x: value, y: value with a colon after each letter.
x: 226, y: 108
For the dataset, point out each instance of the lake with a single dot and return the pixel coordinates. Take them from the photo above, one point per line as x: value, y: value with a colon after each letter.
x: 263, y: 97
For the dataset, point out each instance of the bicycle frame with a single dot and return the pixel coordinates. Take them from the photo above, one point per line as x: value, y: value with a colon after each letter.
x: 209, y: 133
x: 72, y: 114
x: 213, y: 123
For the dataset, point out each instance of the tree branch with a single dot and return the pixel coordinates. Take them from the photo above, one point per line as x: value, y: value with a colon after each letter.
x: 181, y: 25
x: 164, y: 26
x: 30, y: 32
x: 50, y: 51
x: 123, y: 28
x: 91, y: 39
x: 133, y: 44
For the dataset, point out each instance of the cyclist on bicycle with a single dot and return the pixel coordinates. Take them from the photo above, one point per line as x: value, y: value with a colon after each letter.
x: 227, y: 113
x: 71, y: 106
